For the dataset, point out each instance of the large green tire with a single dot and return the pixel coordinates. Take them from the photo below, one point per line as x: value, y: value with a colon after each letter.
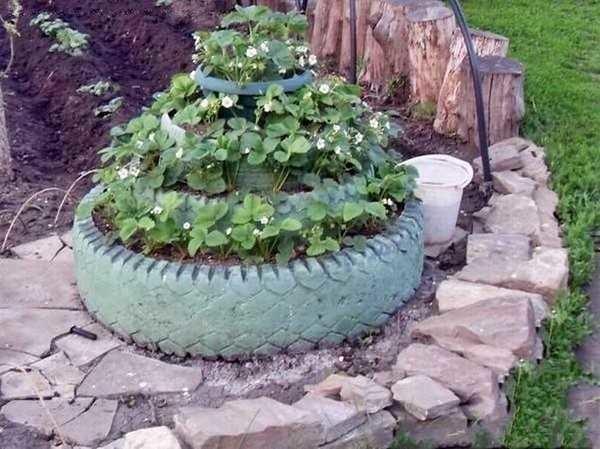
x: 239, y: 311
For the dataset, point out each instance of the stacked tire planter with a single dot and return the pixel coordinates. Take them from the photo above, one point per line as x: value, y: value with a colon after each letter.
x: 244, y: 310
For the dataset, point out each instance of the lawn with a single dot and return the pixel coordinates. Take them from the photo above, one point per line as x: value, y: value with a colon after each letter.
x: 559, y: 43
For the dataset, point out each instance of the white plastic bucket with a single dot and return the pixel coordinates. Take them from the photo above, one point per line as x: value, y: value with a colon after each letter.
x: 440, y: 186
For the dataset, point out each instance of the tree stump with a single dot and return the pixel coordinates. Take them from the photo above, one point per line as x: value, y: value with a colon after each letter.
x: 327, y: 28
x: 503, y: 97
x: 429, y: 37
x: 6, y: 171
x: 486, y: 44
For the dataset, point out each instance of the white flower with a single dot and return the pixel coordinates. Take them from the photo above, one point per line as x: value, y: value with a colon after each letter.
x: 187, y: 226
x: 246, y: 150
x: 193, y: 74
x: 387, y: 125
x: 336, y: 128
x: 282, y: 71
x: 302, y: 49
x: 302, y: 61
x: 151, y: 137
x: 227, y: 102
x: 123, y: 173
x: 324, y: 89
x: 204, y: 104
x: 307, y: 95
x: 139, y: 144
x: 256, y: 233
x: 268, y: 107
x: 312, y: 60
x: 374, y: 123
x: 251, y: 52
x: 264, y: 220
x: 337, y: 151
x: 134, y: 171
x: 179, y: 153
x: 240, y: 65
x: 228, y: 231
x: 264, y: 47
x: 321, y: 144
x: 387, y: 202
x: 358, y: 138
x: 157, y: 210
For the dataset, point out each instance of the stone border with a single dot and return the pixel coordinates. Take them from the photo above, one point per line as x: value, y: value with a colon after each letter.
x: 238, y: 311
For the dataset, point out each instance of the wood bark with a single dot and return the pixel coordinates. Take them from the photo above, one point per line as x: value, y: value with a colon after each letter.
x: 486, y: 44
x: 6, y: 172
x: 502, y: 85
x: 429, y: 36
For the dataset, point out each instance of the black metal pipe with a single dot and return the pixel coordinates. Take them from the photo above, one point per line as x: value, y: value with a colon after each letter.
x: 353, y: 45
x: 479, y: 106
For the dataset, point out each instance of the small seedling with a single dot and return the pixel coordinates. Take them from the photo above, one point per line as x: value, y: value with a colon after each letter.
x: 98, y: 89
x: 109, y: 108
x: 164, y: 2
x: 67, y: 39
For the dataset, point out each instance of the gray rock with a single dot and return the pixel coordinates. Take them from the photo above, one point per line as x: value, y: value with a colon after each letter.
x: 508, y: 182
x: 424, y: 398
x: 503, y: 323
x: 62, y: 375
x: 82, y: 351
x: 506, y: 246
x: 252, y: 424
x: 386, y: 378
x: 503, y: 156
x: 513, y: 214
x: 546, y: 273
x: 121, y: 373
x: 376, y: 433
x: 434, y: 250
x: 453, y: 294
x: 18, y: 385
x: 152, y: 438
x: 446, y: 431
x: 469, y: 381
x: 37, y: 284
x: 33, y: 414
x: 547, y: 202
x: 41, y: 327
x: 117, y: 444
x: 337, y: 417
x: 534, y: 165
x: 43, y: 249
x: 364, y: 393
x: 584, y: 404
x: 12, y: 359
x: 92, y: 426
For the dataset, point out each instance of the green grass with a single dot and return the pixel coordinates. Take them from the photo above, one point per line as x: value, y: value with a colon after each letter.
x: 558, y: 41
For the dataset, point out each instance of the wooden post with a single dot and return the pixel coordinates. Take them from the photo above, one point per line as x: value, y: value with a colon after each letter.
x: 502, y: 83
x: 429, y: 37
x: 6, y: 171
x: 486, y: 44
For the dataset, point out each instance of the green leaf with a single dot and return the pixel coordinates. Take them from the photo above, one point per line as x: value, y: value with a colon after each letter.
x: 376, y: 209
x: 359, y: 242
x: 317, y: 211
x: 146, y: 223
x: 285, y: 251
x: 194, y: 245
x: 331, y: 244
x: 128, y: 228
x: 241, y: 215
x: 352, y: 211
x: 300, y: 145
x: 316, y: 249
x: 270, y: 144
x: 281, y: 156
x: 256, y: 157
x: 221, y: 154
x: 216, y: 238
x: 269, y: 231
x: 251, y: 140
x: 291, y: 224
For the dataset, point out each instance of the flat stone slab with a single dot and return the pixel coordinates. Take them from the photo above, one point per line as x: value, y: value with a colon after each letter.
x: 424, y: 398
x: 453, y: 294
x: 19, y: 385
x: 37, y: 284
x: 32, y: 330
x: 503, y: 156
x: 546, y: 273
x: 31, y: 413
x: 82, y: 351
x: 252, y: 424
x: 469, y: 381
x: 506, y: 246
x: 11, y: 359
x: 376, y: 433
x: 507, y: 323
x: 513, y: 214
x: 507, y: 182
x: 361, y: 391
x: 43, y: 249
x: 337, y: 417
x: 92, y: 426
x: 446, y: 431
x: 121, y: 373
x: 584, y: 402
x: 62, y: 375
x: 534, y: 164
x: 152, y: 438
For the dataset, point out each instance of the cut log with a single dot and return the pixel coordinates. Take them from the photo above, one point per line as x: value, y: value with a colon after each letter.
x: 503, y: 97
x: 486, y: 44
x: 6, y: 172
x: 429, y: 38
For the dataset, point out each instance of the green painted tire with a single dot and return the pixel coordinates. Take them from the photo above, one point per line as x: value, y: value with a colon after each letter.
x: 239, y: 311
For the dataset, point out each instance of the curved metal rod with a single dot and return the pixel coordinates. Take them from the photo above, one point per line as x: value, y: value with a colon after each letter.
x: 479, y: 106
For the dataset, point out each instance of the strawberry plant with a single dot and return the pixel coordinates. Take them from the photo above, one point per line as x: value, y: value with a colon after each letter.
x: 68, y: 40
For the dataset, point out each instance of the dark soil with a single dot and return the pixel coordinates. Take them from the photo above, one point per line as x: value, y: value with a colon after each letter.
x: 53, y: 131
